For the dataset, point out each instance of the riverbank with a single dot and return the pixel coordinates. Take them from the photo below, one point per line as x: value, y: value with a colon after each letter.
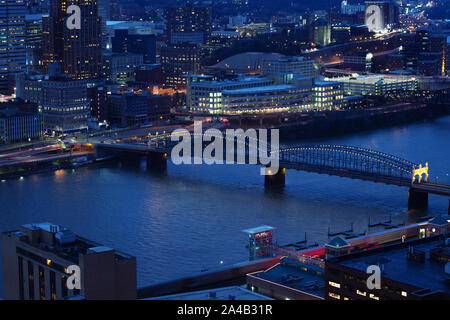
x: 332, y: 124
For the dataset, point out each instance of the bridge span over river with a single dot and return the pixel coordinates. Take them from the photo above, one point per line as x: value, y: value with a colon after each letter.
x: 337, y: 160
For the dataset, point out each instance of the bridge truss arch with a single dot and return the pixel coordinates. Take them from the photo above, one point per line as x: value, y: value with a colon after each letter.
x: 347, y: 160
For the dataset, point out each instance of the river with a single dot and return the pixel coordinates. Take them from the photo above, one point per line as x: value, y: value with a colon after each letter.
x: 192, y: 217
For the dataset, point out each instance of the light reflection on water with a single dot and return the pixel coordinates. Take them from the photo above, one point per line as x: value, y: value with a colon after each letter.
x: 191, y: 217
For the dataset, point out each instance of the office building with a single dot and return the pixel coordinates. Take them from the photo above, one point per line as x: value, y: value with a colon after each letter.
x: 203, y: 94
x: 158, y: 107
x: 425, y: 54
x: 297, y: 65
x: 189, y: 24
x: 268, y: 99
x: 98, y: 102
x: 78, y: 50
x: 120, y: 67
x: 128, y: 109
x: 320, y: 32
x: 33, y: 41
x: 36, y: 260
x: 417, y: 269
x: 62, y: 100
x: 12, y: 46
x: 328, y: 95
x: 137, y: 40
x: 359, y: 61
x: 377, y: 85
x: 179, y: 61
x: 18, y: 126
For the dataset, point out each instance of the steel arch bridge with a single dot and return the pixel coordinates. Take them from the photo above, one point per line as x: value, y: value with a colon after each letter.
x: 345, y: 161
x: 348, y: 161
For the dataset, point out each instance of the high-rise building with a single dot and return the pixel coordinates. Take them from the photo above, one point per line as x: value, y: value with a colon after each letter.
x: 33, y: 41
x: 37, y: 260
x: 320, y: 32
x: 135, y: 40
x: 186, y: 20
x: 12, y: 44
x: 78, y: 50
x: 120, y: 67
x: 426, y: 54
x: 177, y: 62
x: 63, y: 101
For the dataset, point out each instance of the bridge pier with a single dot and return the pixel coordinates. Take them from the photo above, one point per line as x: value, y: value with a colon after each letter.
x: 276, y: 180
x: 417, y: 200
x: 157, y: 161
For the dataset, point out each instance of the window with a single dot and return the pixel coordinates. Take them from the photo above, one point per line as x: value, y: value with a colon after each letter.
x: 334, y: 284
x: 334, y: 295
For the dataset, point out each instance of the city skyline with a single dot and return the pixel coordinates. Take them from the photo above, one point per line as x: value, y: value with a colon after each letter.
x: 224, y: 150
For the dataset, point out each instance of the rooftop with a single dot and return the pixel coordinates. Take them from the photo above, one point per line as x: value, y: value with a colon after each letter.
x: 258, y: 229
x: 62, y: 242
x: 373, y: 79
x: 296, y: 275
x: 428, y: 274
x: 226, y: 293
x: 277, y: 87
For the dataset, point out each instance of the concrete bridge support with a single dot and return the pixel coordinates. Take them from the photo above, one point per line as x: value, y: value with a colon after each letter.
x: 157, y: 161
x: 417, y: 200
x: 276, y: 180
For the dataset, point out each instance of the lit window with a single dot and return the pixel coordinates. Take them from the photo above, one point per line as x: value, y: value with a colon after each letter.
x: 334, y: 295
x: 334, y: 284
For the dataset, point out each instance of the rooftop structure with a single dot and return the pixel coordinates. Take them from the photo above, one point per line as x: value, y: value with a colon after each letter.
x: 414, y: 269
x: 290, y: 279
x: 36, y: 259
x: 376, y: 84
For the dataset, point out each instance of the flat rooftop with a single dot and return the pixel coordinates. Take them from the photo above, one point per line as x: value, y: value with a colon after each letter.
x: 373, y: 79
x: 429, y: 274
x: 226, y: 293
x: 296, y: 275
x: 261, y: 89
x: 69, y: 250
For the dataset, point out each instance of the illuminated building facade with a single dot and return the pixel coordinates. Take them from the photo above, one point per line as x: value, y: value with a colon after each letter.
x: 377, y: 85
x: 12, y: 46
x: 204, y: 95
x: 328, y: 95
x: 78, y: 50
x: 120, y: 67
x: 37, y: 256
x: 33, y: 41
x: 62, y: 100
x: 320, y: 32
x: 177, y: 62
x: 193, y: 24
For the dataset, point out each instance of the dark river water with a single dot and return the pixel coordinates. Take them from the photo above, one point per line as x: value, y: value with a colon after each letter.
x: 192, y: 217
